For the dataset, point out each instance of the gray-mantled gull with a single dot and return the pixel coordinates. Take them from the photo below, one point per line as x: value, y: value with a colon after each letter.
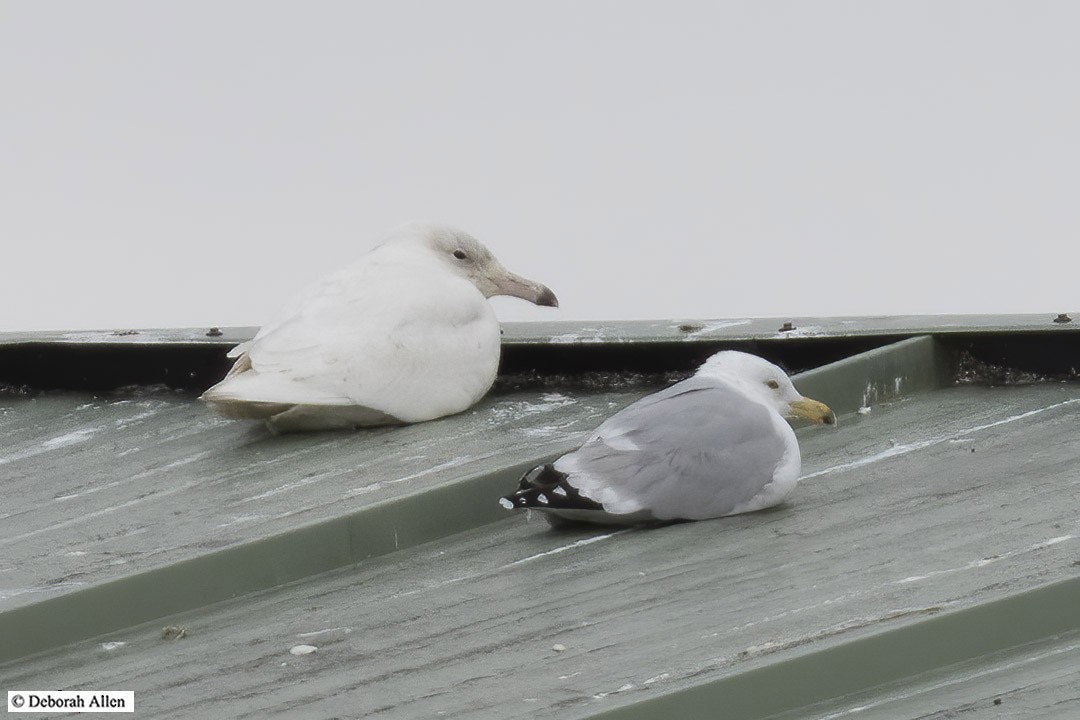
x: 402, y: 336
x: 715, y: 444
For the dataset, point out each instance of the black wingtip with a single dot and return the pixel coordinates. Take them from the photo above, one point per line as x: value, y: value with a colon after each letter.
x: 542, y: 477
x: 544, y: 487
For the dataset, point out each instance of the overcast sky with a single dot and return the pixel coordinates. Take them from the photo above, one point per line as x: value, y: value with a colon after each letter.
x: 167, y: 164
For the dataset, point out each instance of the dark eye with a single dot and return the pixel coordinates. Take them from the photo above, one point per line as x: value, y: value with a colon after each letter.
x: 773, y: 384
x: 460, y: 254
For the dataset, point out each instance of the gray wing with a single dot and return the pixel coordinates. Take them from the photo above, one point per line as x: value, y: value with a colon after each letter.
x: 693, y: 451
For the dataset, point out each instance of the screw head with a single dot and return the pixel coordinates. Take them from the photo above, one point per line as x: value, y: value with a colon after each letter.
x: 214, y: 332
x: 1062, y: 318
x: 787, y: 327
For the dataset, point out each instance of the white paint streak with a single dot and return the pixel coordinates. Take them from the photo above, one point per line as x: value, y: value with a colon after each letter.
x: 241, y: 520
x: 564, y: 548
x: 894, y: 451
x: 172, y: 466
x: 87, y: 517
x: 983, y: 562
x: 316, y: 633
x: 138, y: 476
x: 530, y: 558
x: 455, y: 462
x: 72, y: 438
x: 364, y: 489
x: 61, y: 441
x: 303, y: 482
x: 910, y: 692
x: 125, y: 422
x: 923, y: 444
x: 1014, y: 418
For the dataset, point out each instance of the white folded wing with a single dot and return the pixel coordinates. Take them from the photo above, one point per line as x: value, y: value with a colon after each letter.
x: 409, y: 344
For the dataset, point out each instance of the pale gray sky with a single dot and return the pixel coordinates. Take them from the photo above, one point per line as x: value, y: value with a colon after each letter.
x: 193, y: 163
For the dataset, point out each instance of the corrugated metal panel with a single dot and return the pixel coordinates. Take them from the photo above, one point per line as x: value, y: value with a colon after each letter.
x: 940, y: 499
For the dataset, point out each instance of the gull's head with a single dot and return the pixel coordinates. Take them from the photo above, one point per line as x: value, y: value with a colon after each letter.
x: 462, y: 254
x: 766, y: 383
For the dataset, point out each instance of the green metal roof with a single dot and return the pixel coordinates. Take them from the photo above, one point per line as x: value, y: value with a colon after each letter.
x: 636, y: 331
x: 928, y: 562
